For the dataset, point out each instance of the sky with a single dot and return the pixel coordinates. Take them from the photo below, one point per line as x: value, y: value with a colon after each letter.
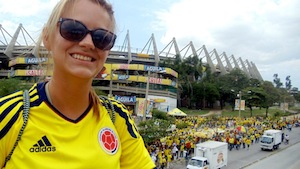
x: 265, y: 32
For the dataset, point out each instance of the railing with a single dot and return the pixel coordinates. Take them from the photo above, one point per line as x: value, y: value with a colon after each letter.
x: 138, y: 90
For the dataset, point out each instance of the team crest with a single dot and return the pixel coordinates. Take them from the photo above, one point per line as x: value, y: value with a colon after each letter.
x: 108, y: 140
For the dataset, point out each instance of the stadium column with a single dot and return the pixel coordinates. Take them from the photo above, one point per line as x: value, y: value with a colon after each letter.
x: 110, y: 83
x: 146, y: 97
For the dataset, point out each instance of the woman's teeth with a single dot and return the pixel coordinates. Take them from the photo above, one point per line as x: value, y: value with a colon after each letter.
x: 80, y: 57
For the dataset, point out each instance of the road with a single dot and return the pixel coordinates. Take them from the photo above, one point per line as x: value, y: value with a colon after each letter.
x: 240, y: 159
x: 287, y: 158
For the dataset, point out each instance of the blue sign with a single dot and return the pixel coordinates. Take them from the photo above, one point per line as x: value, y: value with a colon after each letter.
x: 123, y: 77
x: 154, y: 69
x: 36, y: 60
x: 126, y: 99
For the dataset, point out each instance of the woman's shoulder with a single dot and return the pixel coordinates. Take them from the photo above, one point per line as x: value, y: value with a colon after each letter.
x: 13, y: 103
x: 10, y: 101
x: 10, y: 108
x: 120, y: 117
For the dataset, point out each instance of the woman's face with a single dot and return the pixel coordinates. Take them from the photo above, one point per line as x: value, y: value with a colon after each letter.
x: 80, y: 59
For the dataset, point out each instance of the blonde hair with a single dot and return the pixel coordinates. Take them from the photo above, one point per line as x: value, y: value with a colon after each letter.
x: 50, y: 29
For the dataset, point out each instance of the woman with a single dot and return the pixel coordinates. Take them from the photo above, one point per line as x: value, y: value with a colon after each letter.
x: 68, y: 127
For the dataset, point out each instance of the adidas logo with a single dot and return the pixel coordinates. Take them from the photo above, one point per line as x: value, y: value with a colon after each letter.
x: 43, y: 145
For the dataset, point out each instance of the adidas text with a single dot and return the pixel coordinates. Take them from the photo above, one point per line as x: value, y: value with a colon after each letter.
x: 42, y: 149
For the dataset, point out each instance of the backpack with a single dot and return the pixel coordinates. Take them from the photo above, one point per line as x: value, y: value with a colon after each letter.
x: 26, y: 107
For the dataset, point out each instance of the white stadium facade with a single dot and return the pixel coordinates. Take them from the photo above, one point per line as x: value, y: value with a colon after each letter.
x: 132, y: 76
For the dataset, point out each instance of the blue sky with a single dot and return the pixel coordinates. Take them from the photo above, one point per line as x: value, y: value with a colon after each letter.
x: 265, y: 32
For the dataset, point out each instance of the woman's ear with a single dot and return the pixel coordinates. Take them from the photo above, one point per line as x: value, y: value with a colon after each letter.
x: 46, y: 39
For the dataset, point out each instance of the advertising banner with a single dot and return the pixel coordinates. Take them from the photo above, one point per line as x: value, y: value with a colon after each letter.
x: 237, y: 104
x: 154, y: 69
x: 141, y: 108
x: 126, y: 99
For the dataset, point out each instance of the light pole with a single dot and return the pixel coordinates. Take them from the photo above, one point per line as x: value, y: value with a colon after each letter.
x: 146, y: 97
x: 240, y: 103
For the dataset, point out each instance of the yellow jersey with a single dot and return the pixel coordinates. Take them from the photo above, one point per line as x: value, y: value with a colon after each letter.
x: 51, y: 140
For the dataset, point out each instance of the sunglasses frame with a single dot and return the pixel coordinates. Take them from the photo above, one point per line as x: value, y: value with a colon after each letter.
x: 86, y: 31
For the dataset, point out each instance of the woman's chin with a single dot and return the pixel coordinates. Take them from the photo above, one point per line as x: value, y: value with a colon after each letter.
x: 83, y: 74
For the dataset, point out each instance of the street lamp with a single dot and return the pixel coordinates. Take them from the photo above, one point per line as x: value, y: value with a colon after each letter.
x: 240, y: 103
x: 146, y: 97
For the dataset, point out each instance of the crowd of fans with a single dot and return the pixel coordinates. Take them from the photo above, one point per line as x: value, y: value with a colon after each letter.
x: 239, y: 133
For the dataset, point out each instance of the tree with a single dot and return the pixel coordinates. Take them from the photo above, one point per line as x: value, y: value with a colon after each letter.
x: 8, y: 86
x: 254, y: 97
x: 211, y: 93
x: 155, y: 128
x: 297, y: 97
x: 205, y: 92
x: 230, y: 84
x: 276, y: 81
x: 272, y: 95
x: 285, y: 96
x: 288, y: 83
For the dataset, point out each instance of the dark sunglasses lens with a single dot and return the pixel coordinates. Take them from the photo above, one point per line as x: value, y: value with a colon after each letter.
x: 72, y: 30
x: 103, y: 39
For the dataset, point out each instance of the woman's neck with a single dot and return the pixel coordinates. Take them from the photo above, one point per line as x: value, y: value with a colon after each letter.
x: 70, y: 99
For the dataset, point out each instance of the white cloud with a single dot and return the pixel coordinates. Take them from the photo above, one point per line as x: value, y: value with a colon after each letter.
x: 32, y: 14
x: 21, y: 8
x: 265, y: 32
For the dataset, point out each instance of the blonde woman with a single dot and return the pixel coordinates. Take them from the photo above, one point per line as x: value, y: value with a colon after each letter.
x: 68, y: 126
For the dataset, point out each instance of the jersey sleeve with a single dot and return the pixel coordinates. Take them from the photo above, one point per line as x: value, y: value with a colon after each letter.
x: 11, y: 108
x: 134, y: 153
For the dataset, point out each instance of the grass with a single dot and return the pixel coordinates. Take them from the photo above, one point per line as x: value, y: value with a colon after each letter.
x: 193, y: 112
x: 273, y: 112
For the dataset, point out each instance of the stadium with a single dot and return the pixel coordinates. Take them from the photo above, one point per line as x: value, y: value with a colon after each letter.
x: 132, y: 76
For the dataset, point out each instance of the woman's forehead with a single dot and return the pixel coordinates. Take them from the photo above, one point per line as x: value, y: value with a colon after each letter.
x: 89, y: 12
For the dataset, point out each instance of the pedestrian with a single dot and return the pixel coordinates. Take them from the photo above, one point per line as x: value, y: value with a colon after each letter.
x: 186, y: 157
x: 257, y: 135
x: 231, y: 143
x: 181, y: 150
x: 163, y: 161
x: 169, y: 159
x: 248, y: 142
x: 174, y: 152
x: 287, y: 138
x: 68, y: 125
x: 243, y: 140
x: 252, y: 138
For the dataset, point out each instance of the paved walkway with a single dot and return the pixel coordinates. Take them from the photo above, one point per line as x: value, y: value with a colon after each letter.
x: 213, y: 112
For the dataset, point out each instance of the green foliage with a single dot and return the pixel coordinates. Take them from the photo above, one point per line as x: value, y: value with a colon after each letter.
x: 235, y: 81
x: 159, y: 114
x: 154, y: 129
x: 277, y: 81
x: 157, y: 127
x: 211, y: 92
x: 100, y: 92
x: 255, y: 112
x: 297, y: 97
x: 8, y: 86
x: 254, y: 96
x: 272, y: 94
x: 276, y: 114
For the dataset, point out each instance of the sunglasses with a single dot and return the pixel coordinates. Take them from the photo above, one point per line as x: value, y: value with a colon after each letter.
x: 75, y: 31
